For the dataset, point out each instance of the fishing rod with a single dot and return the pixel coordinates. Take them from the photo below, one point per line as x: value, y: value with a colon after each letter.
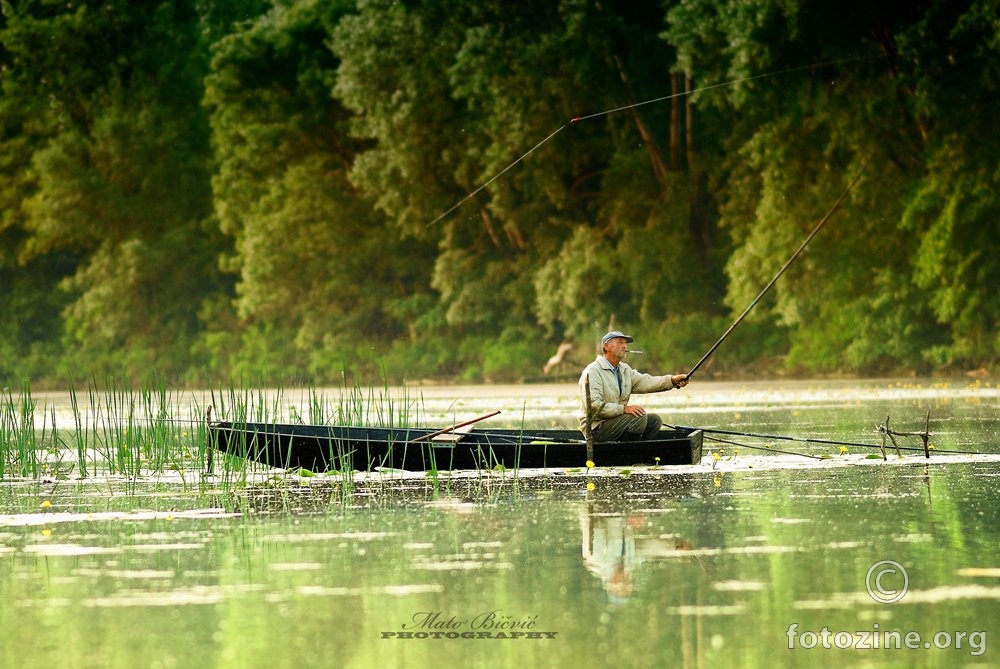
x: 763, y: 448
x: 809, y: 440
x: 788, y: 263
x: 778, y: 437
x: 607, y: 112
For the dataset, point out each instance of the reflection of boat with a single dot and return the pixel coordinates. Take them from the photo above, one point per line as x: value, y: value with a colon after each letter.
x: 326, y: 448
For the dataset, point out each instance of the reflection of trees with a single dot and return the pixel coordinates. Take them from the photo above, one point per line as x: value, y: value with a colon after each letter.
x: 290, y: 618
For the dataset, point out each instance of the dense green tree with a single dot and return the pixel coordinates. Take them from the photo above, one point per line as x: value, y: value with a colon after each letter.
x: 111, y: 168
x: 849, y: 81
x: 952, y: 68
x: 29, y: 297
x: 321, y: 280
x: 449, y: 188
x: 490, y: 100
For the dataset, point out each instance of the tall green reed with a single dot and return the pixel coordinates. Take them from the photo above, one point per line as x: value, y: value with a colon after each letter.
x: 233, y: 404
x: 80, y: 434
x: 117, y: 428
x: 17, y: 433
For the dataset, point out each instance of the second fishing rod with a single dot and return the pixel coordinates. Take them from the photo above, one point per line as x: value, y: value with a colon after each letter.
x: 788, y: 263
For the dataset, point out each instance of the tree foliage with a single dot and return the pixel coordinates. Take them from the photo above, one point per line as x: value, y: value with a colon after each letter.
x: 445, y: 188
x: 892, y: 80
x: 111, y: 169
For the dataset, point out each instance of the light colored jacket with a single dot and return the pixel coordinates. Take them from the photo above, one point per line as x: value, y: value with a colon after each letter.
x: 606, y: 400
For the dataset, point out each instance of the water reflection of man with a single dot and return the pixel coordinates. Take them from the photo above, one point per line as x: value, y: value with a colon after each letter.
x: 613, y: 550
x: 611, y: 382
x: 607, y: 549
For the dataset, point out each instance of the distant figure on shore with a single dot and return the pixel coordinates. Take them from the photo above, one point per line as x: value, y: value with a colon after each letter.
x: 612, y: 382
x: 558, y: 358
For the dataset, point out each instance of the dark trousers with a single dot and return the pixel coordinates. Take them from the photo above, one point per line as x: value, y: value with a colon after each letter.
x: 629, y: 428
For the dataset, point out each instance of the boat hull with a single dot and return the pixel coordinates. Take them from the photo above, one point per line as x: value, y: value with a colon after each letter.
x: 337, y: 448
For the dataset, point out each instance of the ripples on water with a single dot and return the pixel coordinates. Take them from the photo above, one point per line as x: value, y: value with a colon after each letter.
x: 708, y: 565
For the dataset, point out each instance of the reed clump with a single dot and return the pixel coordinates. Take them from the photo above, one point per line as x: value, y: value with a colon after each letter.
x: 112, y: 428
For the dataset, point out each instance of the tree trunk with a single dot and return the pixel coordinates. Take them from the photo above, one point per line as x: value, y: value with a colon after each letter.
x: 675, y: 122
x: 655, y: 159
x: 689, y: 120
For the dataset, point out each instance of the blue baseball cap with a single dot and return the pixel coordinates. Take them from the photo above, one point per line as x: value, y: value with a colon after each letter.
x: 613, y: 334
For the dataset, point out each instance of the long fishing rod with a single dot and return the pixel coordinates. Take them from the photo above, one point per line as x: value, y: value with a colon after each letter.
x: 788, y: 263
x: 809, y: 440
x: 534, y: 439
x: 779, y: 437
x: 763, y: 448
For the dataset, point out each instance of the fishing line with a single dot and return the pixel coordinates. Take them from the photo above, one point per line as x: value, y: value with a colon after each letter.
x: 809, y: 440
x: 723, y: 84
x: 499, y: 174
x: 608, y: 112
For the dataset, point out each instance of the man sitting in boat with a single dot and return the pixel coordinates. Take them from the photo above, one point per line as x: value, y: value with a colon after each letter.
x: 611, y: 382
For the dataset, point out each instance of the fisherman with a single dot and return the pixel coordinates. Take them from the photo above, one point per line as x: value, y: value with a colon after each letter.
x: 612, y: 381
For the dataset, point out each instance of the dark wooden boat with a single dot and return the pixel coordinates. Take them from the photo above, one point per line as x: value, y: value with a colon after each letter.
x: 321, y: 448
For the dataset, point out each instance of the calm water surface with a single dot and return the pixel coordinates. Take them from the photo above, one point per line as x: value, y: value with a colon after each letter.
x: 751, y: 559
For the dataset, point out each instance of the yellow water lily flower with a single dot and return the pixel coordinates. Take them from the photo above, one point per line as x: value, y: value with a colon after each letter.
x: 46, y: 504
x: 843, y: 450
x: 590, y: 464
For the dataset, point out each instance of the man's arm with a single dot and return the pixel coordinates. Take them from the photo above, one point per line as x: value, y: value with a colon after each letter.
x: 647, y: 383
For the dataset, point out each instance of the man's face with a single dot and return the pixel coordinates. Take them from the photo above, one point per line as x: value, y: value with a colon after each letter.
x: 616, y: 347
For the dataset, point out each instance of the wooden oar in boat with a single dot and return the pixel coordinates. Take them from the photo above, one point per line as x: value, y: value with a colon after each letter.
x: 450, y: 428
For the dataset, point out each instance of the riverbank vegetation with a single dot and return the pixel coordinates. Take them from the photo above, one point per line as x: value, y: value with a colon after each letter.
x: 205, y: 188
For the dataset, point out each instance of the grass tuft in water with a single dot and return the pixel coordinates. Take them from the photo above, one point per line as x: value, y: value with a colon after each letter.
x: 17, y: 433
